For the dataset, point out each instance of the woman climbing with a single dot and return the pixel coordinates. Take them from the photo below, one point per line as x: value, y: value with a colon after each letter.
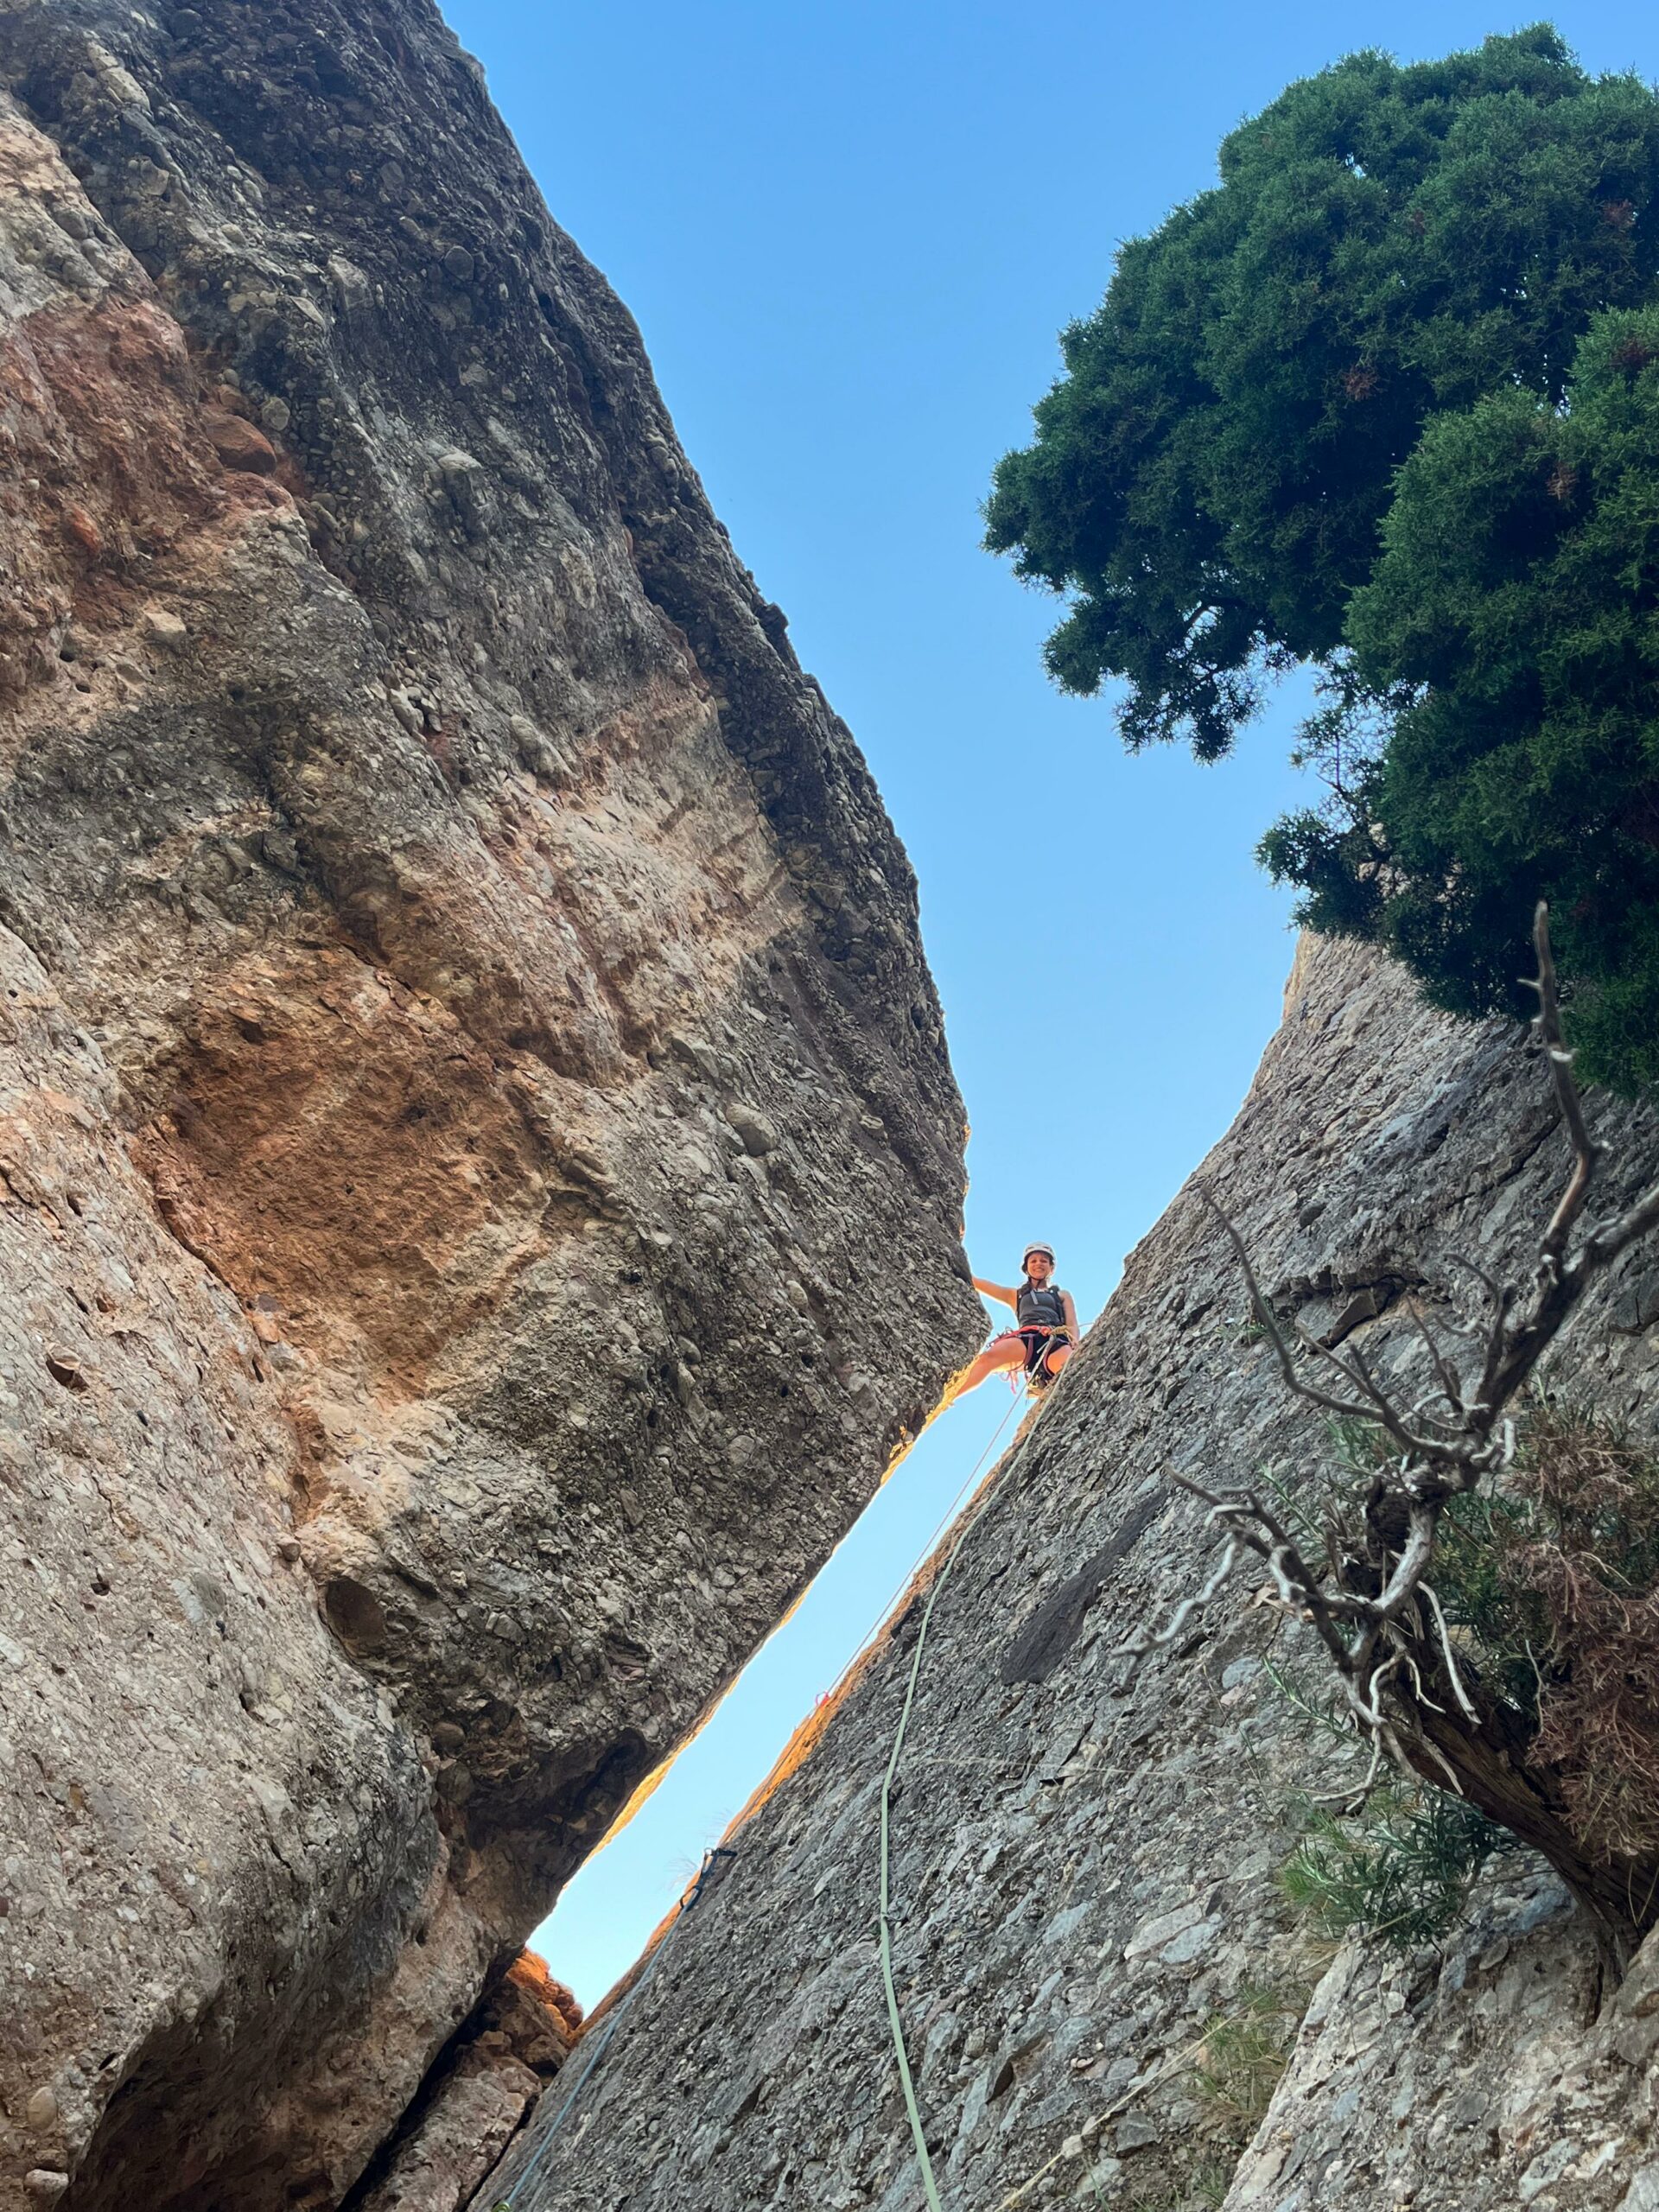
x: 1045, y: 1333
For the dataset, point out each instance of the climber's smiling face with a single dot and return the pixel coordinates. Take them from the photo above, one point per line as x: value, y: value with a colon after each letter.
x: 1038, y: 1266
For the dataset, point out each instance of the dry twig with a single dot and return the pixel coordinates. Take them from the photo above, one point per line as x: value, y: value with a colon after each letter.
x: 1376, y: 1617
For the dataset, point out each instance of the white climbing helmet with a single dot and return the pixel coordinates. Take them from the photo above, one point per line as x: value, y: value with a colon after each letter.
x: 1048, y: 1251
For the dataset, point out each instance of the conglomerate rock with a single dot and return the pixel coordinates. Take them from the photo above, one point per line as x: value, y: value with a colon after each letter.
x: 467, y: 1070
x: 473, y: 2101
x: 1084, y: 1864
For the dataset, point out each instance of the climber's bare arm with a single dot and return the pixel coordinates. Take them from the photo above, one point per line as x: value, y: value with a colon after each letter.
x: 998, y: 1290
x: 1070, y: 1306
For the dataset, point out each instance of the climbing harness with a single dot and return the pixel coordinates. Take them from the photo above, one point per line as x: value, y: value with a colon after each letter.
x: 1038, y: 1340
x: 1039, y: 1343
x: 884, y: 1922
x: 1039, y: 1319
x: 711, y: 1860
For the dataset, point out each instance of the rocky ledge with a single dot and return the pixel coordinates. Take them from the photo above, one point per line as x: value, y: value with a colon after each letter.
x: 465, y: 1062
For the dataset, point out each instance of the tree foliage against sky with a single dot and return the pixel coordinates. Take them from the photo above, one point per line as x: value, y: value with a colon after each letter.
x: 1515, y: 604
x: 1386, y: 400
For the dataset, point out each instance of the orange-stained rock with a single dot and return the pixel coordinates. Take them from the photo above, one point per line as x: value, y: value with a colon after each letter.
x: 425, y: 868
x: 237, y: 444
x: 530, y: 1974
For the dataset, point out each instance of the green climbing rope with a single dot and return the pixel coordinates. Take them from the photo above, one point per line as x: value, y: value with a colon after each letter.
x: 540, y: 2156
x: 884, y: 1927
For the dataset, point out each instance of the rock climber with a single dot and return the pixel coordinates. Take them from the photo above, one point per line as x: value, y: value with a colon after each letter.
x: 1046, y: 1332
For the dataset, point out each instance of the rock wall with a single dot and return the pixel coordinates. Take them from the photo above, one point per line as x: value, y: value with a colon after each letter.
x: 1084, y: 1867
x: 466, y: 1063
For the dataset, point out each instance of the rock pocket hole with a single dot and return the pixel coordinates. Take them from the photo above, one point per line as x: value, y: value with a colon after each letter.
x: 1012, y: 2066
x: 355, y: 1615
x: 63, y: 1367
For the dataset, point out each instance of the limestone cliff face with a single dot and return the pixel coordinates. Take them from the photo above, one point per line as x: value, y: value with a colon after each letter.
x: 466, y: 1065
x: 1083, y: 1871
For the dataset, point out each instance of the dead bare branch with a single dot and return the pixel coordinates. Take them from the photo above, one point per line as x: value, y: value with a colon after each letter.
x: 1453, y: 1676
x: 1450, y: 1380
x: 1369, y: 1601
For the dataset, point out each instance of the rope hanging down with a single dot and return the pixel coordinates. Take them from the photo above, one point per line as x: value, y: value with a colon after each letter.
x: 510, y: 2201
x: 885, y: 1926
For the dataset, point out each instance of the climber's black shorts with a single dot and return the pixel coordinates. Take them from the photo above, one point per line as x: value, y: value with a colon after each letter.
x: 1039, y: 1342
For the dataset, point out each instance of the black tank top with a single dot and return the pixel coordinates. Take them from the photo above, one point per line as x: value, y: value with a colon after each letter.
x: 1041, y: 1308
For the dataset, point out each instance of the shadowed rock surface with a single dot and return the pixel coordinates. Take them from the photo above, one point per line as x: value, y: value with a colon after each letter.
x: 466, y: 1064
x: 1084, y: 1870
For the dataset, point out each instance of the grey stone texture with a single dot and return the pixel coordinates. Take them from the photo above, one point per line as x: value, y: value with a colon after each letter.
x: 467, y: 1063
x: 1084, y: 1869
x: 474, y: 2100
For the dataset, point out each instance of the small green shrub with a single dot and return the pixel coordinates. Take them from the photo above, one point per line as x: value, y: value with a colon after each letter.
x: 1204, y: 2189
x: 1212, y: 2179
x: 1399, y: 1870
x: 1165, y: 2197
x: 1244, y: 2052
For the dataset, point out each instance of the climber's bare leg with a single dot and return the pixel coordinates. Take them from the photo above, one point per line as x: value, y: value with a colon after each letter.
x: 993, y: 1360
x: 1056, y: 1359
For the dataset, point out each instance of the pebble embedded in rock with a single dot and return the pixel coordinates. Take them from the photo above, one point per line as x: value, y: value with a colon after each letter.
x: 279, y: 849
x: 163, y: 627
x: 63, y: 1367
x: 458, y: 264
x: 237, y: 444
x: 759, y: 1134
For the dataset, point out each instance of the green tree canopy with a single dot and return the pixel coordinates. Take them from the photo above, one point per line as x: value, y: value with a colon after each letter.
x: 1370, y: 404
x: 1512, y: 620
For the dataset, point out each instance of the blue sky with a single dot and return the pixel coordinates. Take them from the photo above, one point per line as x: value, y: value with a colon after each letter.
x: 849, y: 232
